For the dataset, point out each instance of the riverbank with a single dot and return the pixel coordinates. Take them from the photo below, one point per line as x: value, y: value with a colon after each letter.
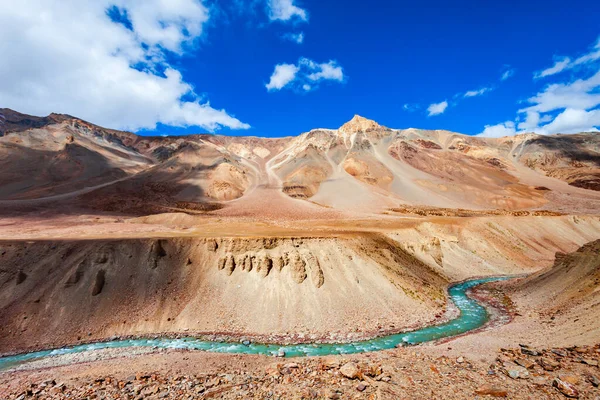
x: 516, y: 373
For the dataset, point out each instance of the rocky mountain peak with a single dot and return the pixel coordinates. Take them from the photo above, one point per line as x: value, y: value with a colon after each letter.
x: 359, y: 124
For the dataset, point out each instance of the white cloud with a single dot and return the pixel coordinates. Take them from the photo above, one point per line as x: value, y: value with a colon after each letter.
x: 507, y: 74
x: 574, y: 121
x: 330, y: 70
x: 411, y: 107
x: 305, y: 75
x: 294, y: 37
x: 591, y: 56
x: 437, y: 108
x: 565, y: 63
x: 580, y: 94
x: 285, y: 10
x: 70, y: 57
x: 282, y: 76
x: 559, y: 66
x: 561, y: 107
x: 474, y: 93
x: 495, y: 131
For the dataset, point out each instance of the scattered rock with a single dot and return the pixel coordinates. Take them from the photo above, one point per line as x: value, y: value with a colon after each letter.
x: 350, y: 370
x: 548, y: 364
x: 525, y: 362
x: 488, y: 390
x: 560, y: 352
x: 517, y: 372
x: 460, y: 360
x: 565, y: 388
x: 539, y: 381
x: 330, y: 363
x: 273, y: 370
x: 361, y: 386
x: 593, y: 380
x: 589, y: 361
x: 528, y: 350
x: 572, y: 379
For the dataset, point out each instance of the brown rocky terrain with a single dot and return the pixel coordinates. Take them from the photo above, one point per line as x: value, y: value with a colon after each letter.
x: 360, y: 167
x: 334, y: 235
x: 515, y: 373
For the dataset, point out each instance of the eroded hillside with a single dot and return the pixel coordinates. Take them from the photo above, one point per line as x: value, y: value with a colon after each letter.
x: 360, y: 167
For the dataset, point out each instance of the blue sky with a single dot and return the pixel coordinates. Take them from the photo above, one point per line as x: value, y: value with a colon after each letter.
x: 192, y: 66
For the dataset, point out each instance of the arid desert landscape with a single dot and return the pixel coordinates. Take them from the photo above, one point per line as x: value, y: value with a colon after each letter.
x: 301, y: 267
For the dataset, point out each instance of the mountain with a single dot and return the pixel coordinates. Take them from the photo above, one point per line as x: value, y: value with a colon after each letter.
x: 360, y: 167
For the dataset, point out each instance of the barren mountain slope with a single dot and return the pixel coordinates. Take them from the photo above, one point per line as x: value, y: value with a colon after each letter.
x: 360, y: 167
x: 567, y: 295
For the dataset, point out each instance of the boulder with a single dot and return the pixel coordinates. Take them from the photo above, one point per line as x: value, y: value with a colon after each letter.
x: 350, y: 370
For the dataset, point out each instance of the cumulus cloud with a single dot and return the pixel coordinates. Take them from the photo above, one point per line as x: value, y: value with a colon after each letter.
x: 561, y: 107
x: 579, y: 94
x: 282, y: 76
x: 574, y: 121
x: 70, y: 56
x: 329, y: 70
x: 437, y: 108
x: 285, y: 10
x: 294, y: 37
x: 532, y: 120
x: 305, y: 75
x: 474, y: 93
x: 500, y: 130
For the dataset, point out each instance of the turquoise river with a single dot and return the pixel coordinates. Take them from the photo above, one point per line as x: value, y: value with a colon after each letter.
x: 472, y: 316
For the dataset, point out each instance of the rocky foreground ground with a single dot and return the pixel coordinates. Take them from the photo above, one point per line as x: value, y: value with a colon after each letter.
x: 404, y: 373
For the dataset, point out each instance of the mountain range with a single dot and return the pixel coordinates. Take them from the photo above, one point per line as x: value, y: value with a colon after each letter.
x: 360, y: 167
